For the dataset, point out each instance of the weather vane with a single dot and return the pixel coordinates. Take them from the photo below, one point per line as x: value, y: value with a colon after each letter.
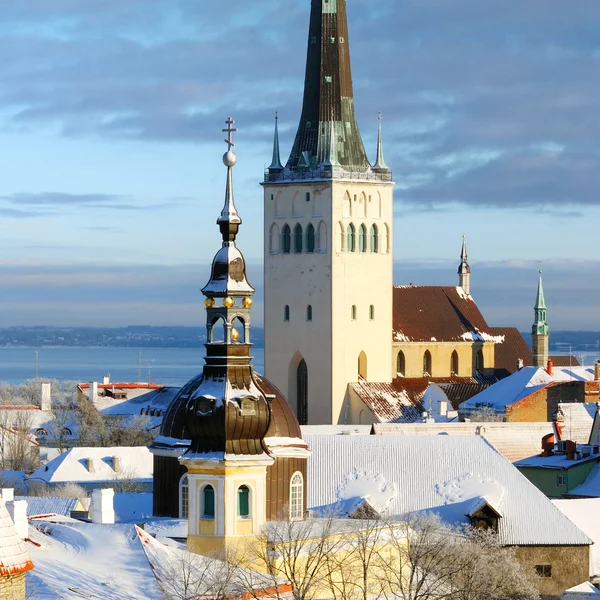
x: 229, y: 131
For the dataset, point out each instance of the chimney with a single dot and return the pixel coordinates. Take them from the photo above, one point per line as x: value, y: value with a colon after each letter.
x: 8, y: 494
x: 570, y: 449
x: 597, y: 371
x: 46, y: 396
x: 549, y: 366
x: 106, y: 379
x: 520, y: 364
x: 548, y: 444
x: 117, y: 465
x: 102, y: 507
x: 93, y: 395
x: 91, y: 467
x: 17, y: 509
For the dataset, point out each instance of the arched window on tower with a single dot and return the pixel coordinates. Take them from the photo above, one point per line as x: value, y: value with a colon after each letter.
x: 479, y: 363
x: 286, y: 313
x: 298, y: 239
x: 401, y: 363
x: 372, y: 312
x: 362, y: 239
x: 362, y: 365
x: 351, y: 238
x: 184, y: 497
x: 208, y: 502
x: 310, y: 238
x: 309, y: 312
x: 286, y: 239
x: 374, y: 239
x: 353, y: 312
x: 243, y: 502
x: 302, y: 392
x: 274, y: 239
x: 454, y: 363
x: 296, y: 496
x: 427, y: 363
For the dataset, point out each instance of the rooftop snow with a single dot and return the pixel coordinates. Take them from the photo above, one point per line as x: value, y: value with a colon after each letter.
x: 13, y: 553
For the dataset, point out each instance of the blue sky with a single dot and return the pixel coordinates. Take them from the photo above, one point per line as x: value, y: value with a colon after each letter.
x: 110, y: 168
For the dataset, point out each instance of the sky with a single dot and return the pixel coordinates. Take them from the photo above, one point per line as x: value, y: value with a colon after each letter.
x: 110, y: 159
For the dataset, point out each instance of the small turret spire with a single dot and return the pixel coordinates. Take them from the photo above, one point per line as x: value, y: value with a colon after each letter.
x: 380, y: 165
x: 540, y: 330
x: 276, y: 166
x: 229, y: 222
x: 464, y: 270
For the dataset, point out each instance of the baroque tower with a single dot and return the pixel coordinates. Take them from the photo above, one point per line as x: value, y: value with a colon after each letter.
x: 540, y: 330
x: 464, y: 270
x: 328, y: 240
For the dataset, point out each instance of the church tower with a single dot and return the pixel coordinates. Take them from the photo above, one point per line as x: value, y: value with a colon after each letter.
x: 540, y: 330
x: 328, y: 240
x: 464, y: 270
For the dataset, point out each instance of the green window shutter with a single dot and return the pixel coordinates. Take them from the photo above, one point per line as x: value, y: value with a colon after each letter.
x: 209, y: 501
x: 243, y: 501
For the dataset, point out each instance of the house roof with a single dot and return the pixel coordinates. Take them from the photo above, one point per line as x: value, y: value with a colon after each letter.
x: 71, y: 466
x: 436, y: 313
x: 507, y: 391
x: 508, y: 353
x: 48, y: 505
x: 573, y: 373
x: 441, y: 474
x: 590, y: 488
x: 14, y: 557
x: 513, y: 440
x: 578, y: 418
x: 554, y: 461
x: 564, y: 360
x: 335, y: 429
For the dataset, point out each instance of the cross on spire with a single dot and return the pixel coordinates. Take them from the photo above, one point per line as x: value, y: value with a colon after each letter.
x: 229, y: 131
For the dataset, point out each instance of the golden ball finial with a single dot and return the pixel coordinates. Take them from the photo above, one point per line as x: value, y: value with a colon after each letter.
x: 228, y: 302
x: 247, y: 302
x: 209, y: 302
x: 235, y: 335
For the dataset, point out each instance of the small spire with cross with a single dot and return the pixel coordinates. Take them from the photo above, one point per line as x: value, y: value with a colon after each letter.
x: 229, y: 131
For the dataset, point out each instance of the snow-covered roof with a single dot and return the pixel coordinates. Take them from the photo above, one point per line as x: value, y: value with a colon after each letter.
x: 554, y: 461
x: 513, y: 440
x: 583, y: 591
x: 48, y: 505
x: 137, y: 400
x: 335, y: 429
x: 72, y: 466
x: 443, y: 474
x: 577, y: 373
x: 13, y: 554
x: 578, y: 420
x: 508, y: 391
x: 84, y: 560
x: 590, y: 488
x: 584, y: 513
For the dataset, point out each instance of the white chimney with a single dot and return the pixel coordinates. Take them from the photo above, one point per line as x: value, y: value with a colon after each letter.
x: 8, y: 494
x: 93, y: 395
x: 102, y: 508
x: 117, y: 465
x: 17, y: 509
x: 91, y: 467
x: 106, y: 379
x: 46, y: 396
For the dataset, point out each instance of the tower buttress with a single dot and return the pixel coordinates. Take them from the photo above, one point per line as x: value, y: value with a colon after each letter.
x: 540, y: 331
x: 464, y: 270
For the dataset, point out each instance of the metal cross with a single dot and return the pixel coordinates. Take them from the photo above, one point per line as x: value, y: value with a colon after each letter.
x: 229, y: 131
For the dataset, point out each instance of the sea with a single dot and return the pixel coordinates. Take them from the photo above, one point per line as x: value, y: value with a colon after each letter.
x: 167, y: 366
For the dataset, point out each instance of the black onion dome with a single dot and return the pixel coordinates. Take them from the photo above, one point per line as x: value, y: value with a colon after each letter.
x: 173, y: 425
x: 284, y: 423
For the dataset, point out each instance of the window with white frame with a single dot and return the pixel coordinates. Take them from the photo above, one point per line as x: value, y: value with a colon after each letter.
x: 184, y: 497
x: 296, y: 496
x: 561, y: 480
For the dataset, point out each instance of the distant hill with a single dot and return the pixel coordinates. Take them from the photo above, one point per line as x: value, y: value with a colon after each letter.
x: 133, y: 336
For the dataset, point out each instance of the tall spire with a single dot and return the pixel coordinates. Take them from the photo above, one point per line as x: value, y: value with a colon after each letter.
x: 464, y: 270
x: 540, y: 330
x: 380, y: 162
x: 276, y: 166
x: 328, y: 95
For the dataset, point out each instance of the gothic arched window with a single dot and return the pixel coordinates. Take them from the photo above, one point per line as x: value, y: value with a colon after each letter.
x: 286, y: 239
x: 184, y: 497
x: 479, y: 363
x: 374, y: 239
x: 362, y: 365
x: 401, y: 363
x: 427, y: 363
x: 208, y: 502
x: 351, y: 238
x: 296, y: 496
x: 298, y: 239
x: 454, y: 363
x: 362, y: 239
x: 274, y: 239
x: 310, y: 238
x: 302, y: 392
x: 243, y: 501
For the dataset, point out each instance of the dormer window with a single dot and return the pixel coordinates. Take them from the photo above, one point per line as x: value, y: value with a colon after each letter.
x: 484, y: 516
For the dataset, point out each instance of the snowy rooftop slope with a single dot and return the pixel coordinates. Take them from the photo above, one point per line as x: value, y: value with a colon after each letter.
x: 583, y: 591
x: 83, y: 560
x: 584, y: 513
x: 137, y: 400
x: 509, y: 390
x: 513, y: 440
x: 72, y: 466
x: 578, y: 420
x: 444, y: 473
x: 13, y: 554
x: 47, y: 505
x: 590, y: 488
x: 573, y: 373
x: 335, y: 429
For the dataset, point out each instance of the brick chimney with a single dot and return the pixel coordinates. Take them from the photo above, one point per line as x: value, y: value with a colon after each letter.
x: 549, y: 366
x: 597, y: 371
x: 520, y: 364
x: 571, y: 449
x: 548, y: 444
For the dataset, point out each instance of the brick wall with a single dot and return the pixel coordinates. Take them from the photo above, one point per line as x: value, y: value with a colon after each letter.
x: 12, y: 587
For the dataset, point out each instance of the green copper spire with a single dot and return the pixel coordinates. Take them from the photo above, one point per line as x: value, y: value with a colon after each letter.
x: 540, y: 326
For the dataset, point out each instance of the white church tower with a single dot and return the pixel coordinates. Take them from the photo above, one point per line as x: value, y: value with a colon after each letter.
x: 328, y: 241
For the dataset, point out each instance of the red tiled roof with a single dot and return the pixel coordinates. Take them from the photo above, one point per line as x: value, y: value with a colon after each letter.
x: 435, y: 313
x: 513, y: 348
x: 565, y: 361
